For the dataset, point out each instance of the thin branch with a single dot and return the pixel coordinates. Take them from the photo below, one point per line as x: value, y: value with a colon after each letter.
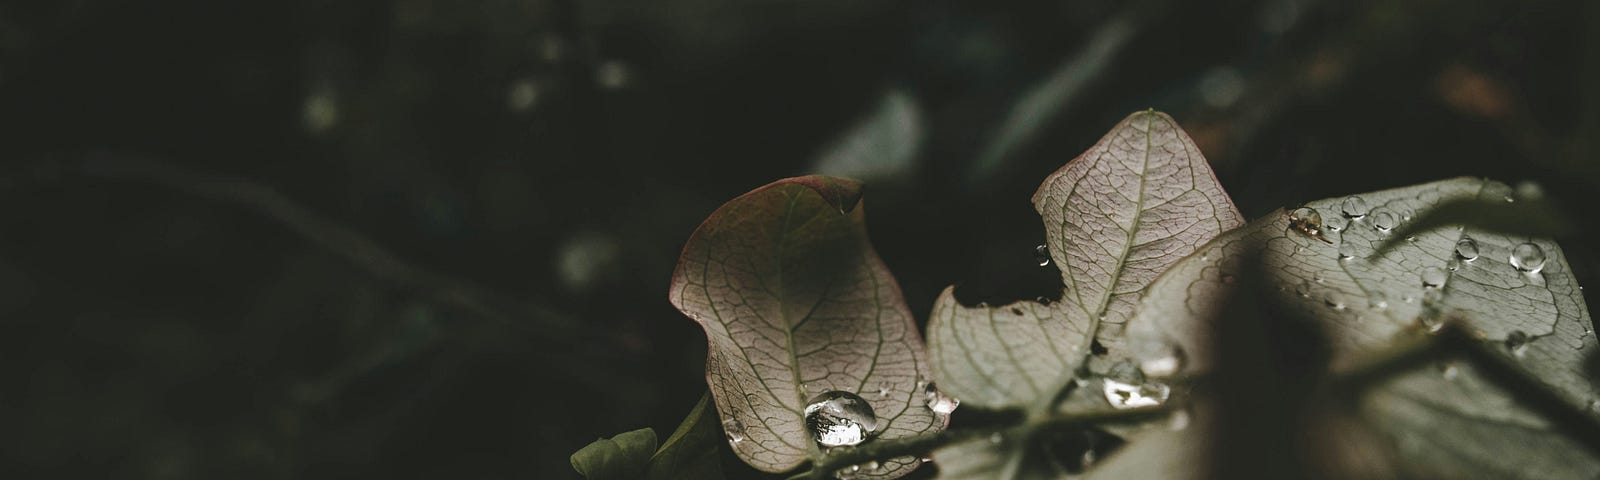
x: 922, y: 444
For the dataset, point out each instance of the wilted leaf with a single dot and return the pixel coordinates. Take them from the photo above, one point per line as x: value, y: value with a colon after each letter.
x: 882, y: 144
x: 1116, y: 217
x: 795, y: 303
x: 623, y: 457
x: 1444, y: 422
x: 691, y: 452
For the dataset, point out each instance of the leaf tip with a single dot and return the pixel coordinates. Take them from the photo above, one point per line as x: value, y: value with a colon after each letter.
x: 842, y: 193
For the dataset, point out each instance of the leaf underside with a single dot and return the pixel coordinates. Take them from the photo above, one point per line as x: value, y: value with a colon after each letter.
x: 1455, y: 425
x: 1139, y: 200
x: 794, y: 303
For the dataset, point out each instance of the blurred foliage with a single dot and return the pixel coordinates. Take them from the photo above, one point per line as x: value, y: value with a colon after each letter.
x: 557, y: 153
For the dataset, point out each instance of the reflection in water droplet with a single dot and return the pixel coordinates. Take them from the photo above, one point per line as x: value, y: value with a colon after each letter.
x: 1354, y: 207
x: 734, y: 430
x: 1347, y: 250
x: 1517, y: 342
x: 1383, y: 220
x: 1528, y: 258
x: 939, y: 402
x: 1126, y: 395
x: 840, y: 418
x: 1041, y: 255
x: 1433, y: 277
x: 1467, y: 249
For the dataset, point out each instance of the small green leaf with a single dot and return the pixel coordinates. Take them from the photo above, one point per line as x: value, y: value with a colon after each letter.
x: 623, y: 457
x: 691, y: 452
x: 795, y: 303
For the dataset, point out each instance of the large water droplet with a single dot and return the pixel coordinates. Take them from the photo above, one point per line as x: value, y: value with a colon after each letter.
x: 1307, y: 215
x: 1383, y: 220
x: 1528, y: 258
x: 1041, y: 255
x: 1467, y: 249
x: 939, y: 402
x: 1335, y: 223
x: 1433, y: 277
x: 734, y: 430
x: 1354, y: 207
x: 1517, y: 342
x: 1126, y: 395
x: 840, y: 418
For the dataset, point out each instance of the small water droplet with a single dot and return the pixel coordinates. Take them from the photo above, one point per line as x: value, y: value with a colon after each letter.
x: 1042, y: 300
x: 1041, y: 255
x: 1433, y: 277
x: 1354, y: 207
x: 1126, y: 395
x: 996, y: 438
x: 938, y: 401
x: 1467, y: 249
x: 1303, y: 289
x: 1179, y: 419
x: 883, y: 391
x: 1347, y: 250
x: 839, y: 418
x: 1408, y: 299
x: 1528, y: 258
x: 734, y: 429
x: 1377, y: 301
x: 1449, y: 370
x: 1517, y: 342
x: 927, y: 459
x: 1165, y: 364
x: 1335, y: 223
x: 983, y: 304
x: 1432, y: 323
x: 1383, y: 220
x: 1334, y: 300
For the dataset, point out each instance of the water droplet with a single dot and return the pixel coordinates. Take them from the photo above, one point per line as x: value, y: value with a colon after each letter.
x: 1517, y: 342
x: 734, y: 430
x: 927, y: 459
x: 1347, y: 250
x: 939, y: 402
x: 1307, y: 215
x: 1165, y: 364
x: 983, y: 304
x: 1432, y: 323
x: 1383, y: 220
x: 1334, y: 300
x: 996, y: 438
x: 1408, y: 299
x: 883, y: 391
x: 1303, y: 289
x: 1042, y: 300
x: 1126, y: 395
x: 1335, y: 223
x: 840, y: 418
x: 1354, y: 207
x: 1467, y: 249
x: 1528, y: 258
x: 873, y: 466
x: 1041, y: 255
x: 1179, y: 419
x: 1377, y: 301
x: 1449, y: 370
x: 1433, y: 277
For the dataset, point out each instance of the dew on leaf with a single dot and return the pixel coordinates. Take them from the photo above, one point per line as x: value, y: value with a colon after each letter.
x: 1307, y: 221
x: 1165, y: 364
x: 1042, y: 300
x: 1303, y: 289
x: 734, y: 430
x: 1334, y: 223
x: 1517, y: 343
x: 1383, y: 220
x: 1433, y: 277
x: 1467, y: 249
x: 938, y: 401
x: 1354, y: 207
x: 1041, y: 255
x: 1528, y: 258
x: 1126, y: 395
x: 1347, y: 250
x: 839, y: 418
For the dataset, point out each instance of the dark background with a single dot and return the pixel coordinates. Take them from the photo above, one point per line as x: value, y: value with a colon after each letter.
x: 430, y: 239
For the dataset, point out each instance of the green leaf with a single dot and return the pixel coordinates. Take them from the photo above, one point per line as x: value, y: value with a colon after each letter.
x: 1441, y: 425
x: 795, y: 303
x: 691, y: 452
x: 623, y: 457
x: 1139, y: 200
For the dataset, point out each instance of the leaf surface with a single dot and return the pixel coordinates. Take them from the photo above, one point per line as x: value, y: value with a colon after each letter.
x: 691, y: 452
x: 795, y: 303
x: 1139, y: 200
x: 1454, y: 424
x: 622, y: 457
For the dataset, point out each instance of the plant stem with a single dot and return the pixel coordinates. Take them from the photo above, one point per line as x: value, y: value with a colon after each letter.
x: 840, y: 458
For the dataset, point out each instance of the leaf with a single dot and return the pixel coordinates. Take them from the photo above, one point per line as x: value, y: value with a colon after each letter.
x: 795, y: 303
x: 623, y: 457
x: 691, y: 452
x: 882, y: 144
x: 1533, y: 218
x: 1442, y: 425
x: 1137, y: 201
